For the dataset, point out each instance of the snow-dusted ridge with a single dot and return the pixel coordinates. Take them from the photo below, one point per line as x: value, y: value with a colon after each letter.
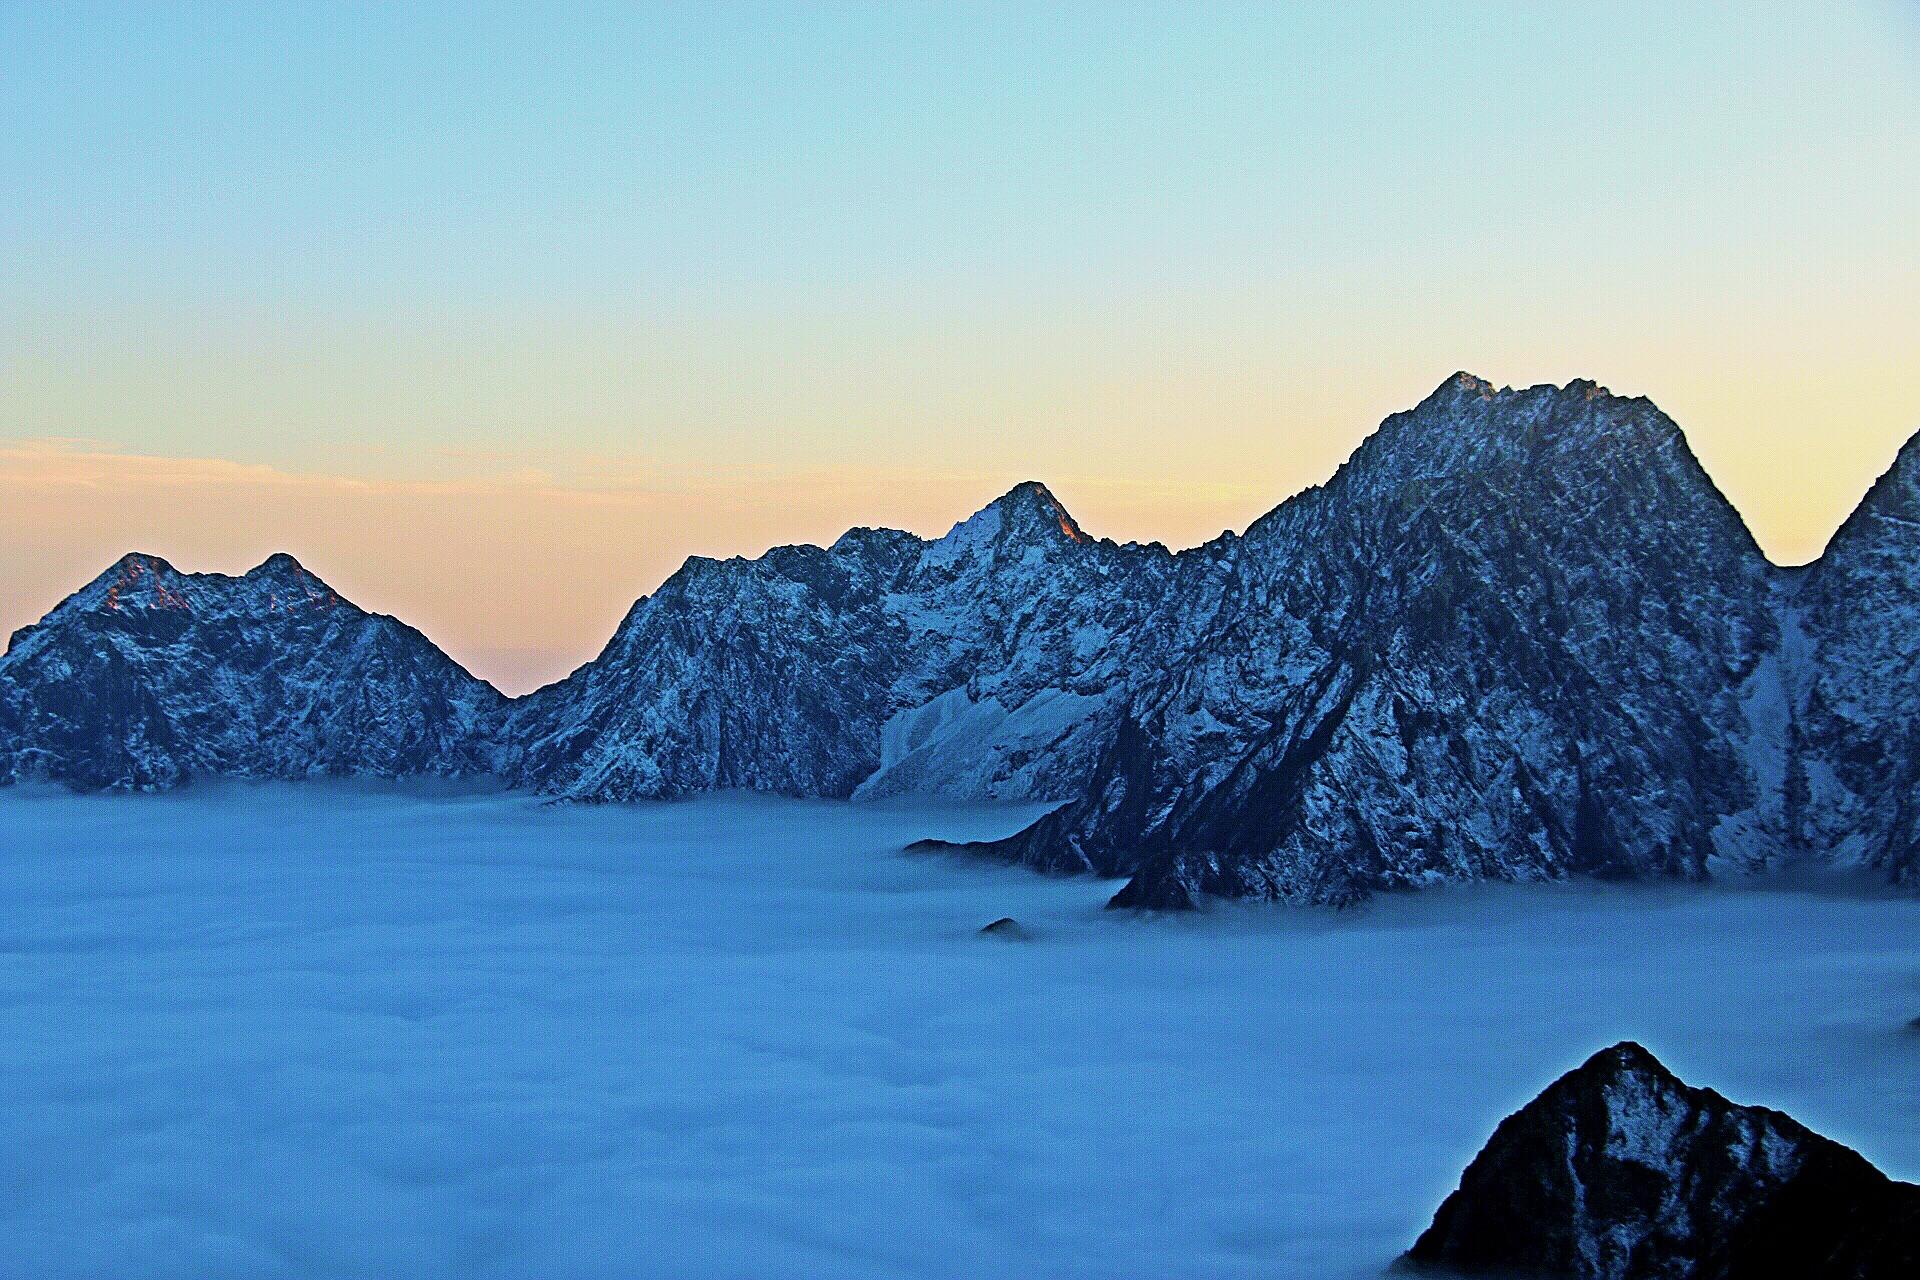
x: 147, y: 676
x: 1520, y: 634
x: 986, y: 664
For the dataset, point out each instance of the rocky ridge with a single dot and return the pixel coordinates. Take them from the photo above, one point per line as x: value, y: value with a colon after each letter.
x: 147, y: 677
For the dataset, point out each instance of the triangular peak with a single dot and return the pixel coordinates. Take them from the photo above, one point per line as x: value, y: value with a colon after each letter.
x: 137, y: 580
x: 1030, y: 497
x: 1027, y: 515
x: 287, y: 584
x: 1580, y: 430
x: 1629, y: 1058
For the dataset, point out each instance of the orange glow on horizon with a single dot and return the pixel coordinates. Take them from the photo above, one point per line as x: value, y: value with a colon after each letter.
x: 522, y: 577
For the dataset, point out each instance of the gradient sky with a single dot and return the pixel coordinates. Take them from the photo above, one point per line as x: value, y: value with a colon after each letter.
x: 493, y: 317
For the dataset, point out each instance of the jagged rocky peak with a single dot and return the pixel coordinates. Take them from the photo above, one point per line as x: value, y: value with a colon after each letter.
x: 877, y: 543
x: 1621, y: 1171
x: 148, y: 676
x: 984, y: 663
x: 1508, y: 639
x: 1031, y: 507
x: 1026, y: 516
x: 1464, y: 383
x: 1033, y: 501
x: 139, y: 582
x: 137, y: 591
x: 1466, y: 416
x: 1515, y: 456
x: 290, y: 585
x: 1541, y: 459
x: 135, y: 581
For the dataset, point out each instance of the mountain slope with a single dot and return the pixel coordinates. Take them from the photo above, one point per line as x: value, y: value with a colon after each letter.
x: 1619, y: 1171
x: 1855, y: 790
x: 1508, y: 639
x: 148, y: 676
x: 980, y: 664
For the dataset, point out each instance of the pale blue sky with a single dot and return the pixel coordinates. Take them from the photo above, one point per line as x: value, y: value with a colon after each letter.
x: 1175, y: 259
x: 348, y: 156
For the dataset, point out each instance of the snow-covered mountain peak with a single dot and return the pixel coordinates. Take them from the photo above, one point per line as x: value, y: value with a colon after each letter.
x: 135, y: 582
x: 1024, y: 517
x: 1578, y: 450
x: 1579, y: 413
x: 140, y: 583
x: 148, y: 676
x: 989, y: 662
x: 135, y: 562
x: 1463, y: 383
x: 287, y: 584
x: 1031, y: 503
x: 1473, y: 457
x: 1631, y: 1066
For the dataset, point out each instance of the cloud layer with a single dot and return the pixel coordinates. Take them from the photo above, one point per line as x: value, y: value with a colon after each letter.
x: 323, y: 1032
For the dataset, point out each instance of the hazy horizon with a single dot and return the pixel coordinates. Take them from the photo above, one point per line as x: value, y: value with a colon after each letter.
x: 492, y: 317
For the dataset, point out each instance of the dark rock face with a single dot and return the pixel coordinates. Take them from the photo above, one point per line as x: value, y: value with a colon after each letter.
x: 1007, y: 929
x: 1619, y: 1171
x: 1518, y: 636
x: 147, y: 676
x: 768, y: 674
x: 1855, y: 789
x: 1509, y: 639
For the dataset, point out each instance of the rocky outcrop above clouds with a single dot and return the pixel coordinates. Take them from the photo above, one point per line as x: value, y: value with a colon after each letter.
x: 1511, y: 638
x: 147, y: 677
x: 1619, y: 1171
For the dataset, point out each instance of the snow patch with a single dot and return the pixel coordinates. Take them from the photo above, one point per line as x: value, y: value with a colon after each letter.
x: 952, y: 746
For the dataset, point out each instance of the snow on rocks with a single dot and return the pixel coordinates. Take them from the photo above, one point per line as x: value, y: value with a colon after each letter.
x: 1619, y: 1171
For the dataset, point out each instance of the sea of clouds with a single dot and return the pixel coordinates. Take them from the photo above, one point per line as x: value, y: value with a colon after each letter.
x: 326, y: 1031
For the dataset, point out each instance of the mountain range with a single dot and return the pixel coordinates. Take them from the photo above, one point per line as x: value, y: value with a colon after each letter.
x: 1519, y: 635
